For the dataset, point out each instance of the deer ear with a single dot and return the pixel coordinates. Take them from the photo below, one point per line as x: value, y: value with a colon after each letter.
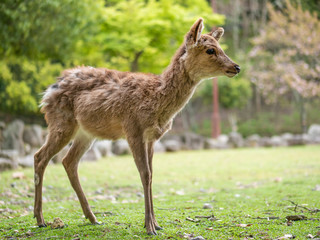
x: 194, y: 33
x: 217, y: 34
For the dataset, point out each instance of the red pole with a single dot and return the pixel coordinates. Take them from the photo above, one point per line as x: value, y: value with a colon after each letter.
x: 215, y: 123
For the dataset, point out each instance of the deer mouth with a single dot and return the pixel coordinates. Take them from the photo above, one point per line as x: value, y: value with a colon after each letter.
x: 231, y: 73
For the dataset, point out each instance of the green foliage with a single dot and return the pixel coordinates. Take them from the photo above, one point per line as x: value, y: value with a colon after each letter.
x: 244, y: 186
x: 47, y: 29
x: 143, y: 35
x: 286, y: 54
x: 262, y: 125
x: 22, y: 81
x: 233, y: 93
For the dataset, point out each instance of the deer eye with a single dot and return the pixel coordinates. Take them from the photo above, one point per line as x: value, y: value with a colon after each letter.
x: 211, y: 51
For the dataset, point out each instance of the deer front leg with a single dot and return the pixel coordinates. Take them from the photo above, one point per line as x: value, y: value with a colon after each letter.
x: 150, y: 157
x: 140, y: 154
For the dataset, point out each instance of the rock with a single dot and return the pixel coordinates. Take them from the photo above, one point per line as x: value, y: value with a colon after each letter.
x: 287, y: 136
x: 5, y: 164
x: 159, y: 147
x: 172, y: 145
x: 103, y: 148
x: 306, y: 138
x: 33, y: 136
x: 219, y: 143
x: 26, y: 161
x: 223, y: 139
x: 253, y: 141
x: 207, y: 206
x: 192, y: 141
x: 277, y: 141
x: 210, y: 143
x: 314, y: 133
x: 8, y: 159
x: 236, y: 140
x: 120, y: 147
x: 265, y: 142
x: 12, y: 136
x: 294, y: 140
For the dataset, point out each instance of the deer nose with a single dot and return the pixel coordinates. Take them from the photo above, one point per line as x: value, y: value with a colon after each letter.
x: 237, y: 67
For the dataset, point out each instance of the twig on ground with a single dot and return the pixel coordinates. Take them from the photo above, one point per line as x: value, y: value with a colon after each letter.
x: 192, y: 220
x: 168, y: 209
x: 315, y: 210
x: 211, y: 216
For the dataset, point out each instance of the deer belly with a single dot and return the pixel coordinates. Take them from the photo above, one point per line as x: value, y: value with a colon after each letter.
x: 104, y: 129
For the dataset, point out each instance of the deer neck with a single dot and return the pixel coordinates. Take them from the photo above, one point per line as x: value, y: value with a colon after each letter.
x: 177, y: 88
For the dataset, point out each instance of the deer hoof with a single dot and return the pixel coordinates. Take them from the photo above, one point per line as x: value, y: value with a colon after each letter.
x: 96, y: 223
x: 152, y: 233
x: 158, y: 228
x: 42, y: 225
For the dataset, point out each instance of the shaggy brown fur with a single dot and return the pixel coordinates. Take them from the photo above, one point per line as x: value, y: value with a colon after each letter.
x: 88, y: 103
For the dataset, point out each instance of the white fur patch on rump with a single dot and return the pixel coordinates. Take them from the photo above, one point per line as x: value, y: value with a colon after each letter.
x: 46, y: 95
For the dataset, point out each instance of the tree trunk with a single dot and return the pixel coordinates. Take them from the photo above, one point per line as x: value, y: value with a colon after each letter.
x: 235, y: 27
x: 214, y: 5
x: 135, y: 63
x: 303, y: 115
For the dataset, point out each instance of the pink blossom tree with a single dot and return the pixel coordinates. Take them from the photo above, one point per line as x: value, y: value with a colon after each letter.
x: 286, y: 56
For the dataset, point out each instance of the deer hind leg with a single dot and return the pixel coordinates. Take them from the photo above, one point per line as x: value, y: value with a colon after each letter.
x: 56, y: 140
x: 70, y: 162
x: 140, y: 154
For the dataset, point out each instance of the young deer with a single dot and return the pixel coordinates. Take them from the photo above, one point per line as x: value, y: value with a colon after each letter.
x: 88, y: 103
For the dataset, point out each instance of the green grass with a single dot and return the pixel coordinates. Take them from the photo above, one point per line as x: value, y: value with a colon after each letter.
x: 242, y: 185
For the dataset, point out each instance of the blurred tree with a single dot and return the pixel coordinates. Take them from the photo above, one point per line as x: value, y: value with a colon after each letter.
x: 47, y: 29
x: 286, y: 56
x: 233, y: 93
x: 21, y: 81
x: 37, y: 39
x: 143, y: 35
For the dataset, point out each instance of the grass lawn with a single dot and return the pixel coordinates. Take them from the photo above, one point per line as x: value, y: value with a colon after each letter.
x: 249, y: 190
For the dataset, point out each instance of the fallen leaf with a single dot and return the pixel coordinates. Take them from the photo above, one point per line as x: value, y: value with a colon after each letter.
x: 286, y: 236
x: 289, y: 223
x: 207, y: 206
x: 243, y: 225
x: 29, y: 233
x: 278, y: 179
x: 180, y: 192
x: 310, y: 236
x: 192, y: 220
x: 188, y: 236
x: 199, y: 216
x: 198, y: 238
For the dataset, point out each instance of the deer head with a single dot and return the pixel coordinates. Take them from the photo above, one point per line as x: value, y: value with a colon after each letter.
x: 204, y: 58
